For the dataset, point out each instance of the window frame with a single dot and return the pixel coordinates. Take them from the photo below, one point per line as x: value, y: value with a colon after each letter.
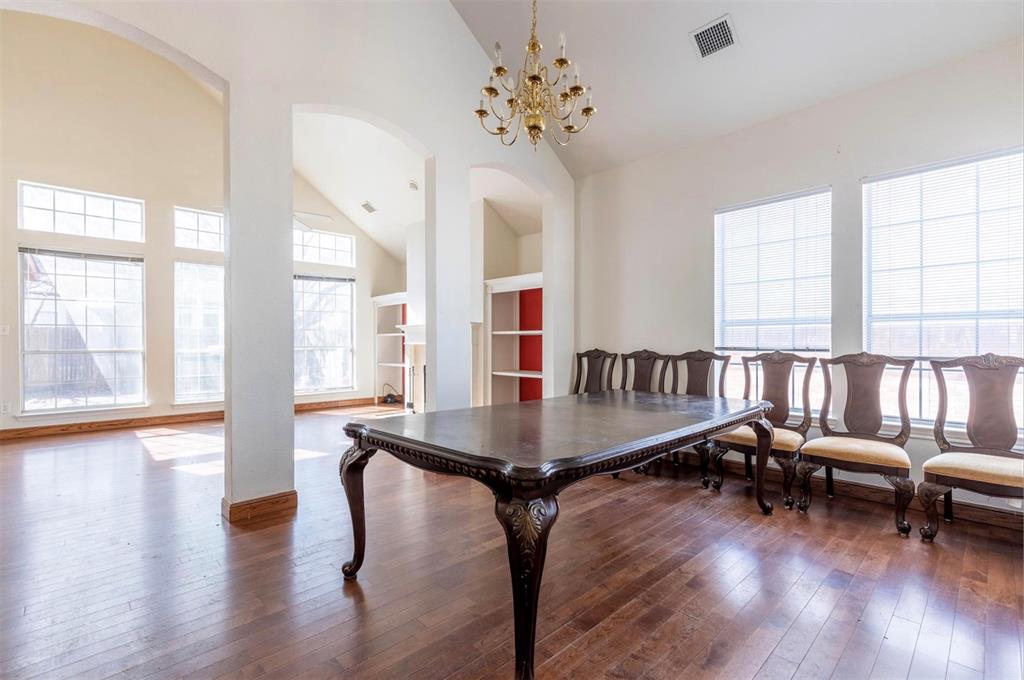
x: 176, y: 400
x: 197, y: 212
x: 22, y: 183
x: 353, y: 386
x: 921, y: 372
x: 298, y: 226
x: 95, y: 255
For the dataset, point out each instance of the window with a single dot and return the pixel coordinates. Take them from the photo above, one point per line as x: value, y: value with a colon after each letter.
x: 944, y: 270
x: 773, y: 284
x: 82, y: 331
x: 324, y: 331
x: 322, y: 247
x: 198, y: 229
x: 79, y: 213
x: 198, y: 332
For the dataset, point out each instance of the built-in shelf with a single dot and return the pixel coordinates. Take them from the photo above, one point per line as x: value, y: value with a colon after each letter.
x: 389, y: 345
x: 396, y: 334
x: 393, y: 365
x: 519, y: 374
x: 517, y: 332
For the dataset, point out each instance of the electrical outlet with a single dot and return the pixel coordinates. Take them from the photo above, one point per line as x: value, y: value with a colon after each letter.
x: 5, y: 408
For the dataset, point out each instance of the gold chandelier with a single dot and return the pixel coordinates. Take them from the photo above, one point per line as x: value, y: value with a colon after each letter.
x: 534, y: 101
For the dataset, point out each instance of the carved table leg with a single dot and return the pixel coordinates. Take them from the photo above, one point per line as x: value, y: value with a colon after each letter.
x: 765, y: 436
x: 527, y: 524
x: 352, y: 464
x: 928, y: 493
x: 904, y: 494
x: 804, y: 471
x: 718, y: 459
x: 788, y: 465
x: 704, y: 452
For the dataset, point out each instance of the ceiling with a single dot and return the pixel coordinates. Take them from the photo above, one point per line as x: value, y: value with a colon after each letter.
x: 651, y: 89
x: 516, y: 203
x: 350, y: 162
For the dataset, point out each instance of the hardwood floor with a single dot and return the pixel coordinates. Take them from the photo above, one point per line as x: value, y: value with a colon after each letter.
x: 115, y: 563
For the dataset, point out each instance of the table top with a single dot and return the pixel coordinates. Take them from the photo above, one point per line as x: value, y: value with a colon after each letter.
x: 541, y: 436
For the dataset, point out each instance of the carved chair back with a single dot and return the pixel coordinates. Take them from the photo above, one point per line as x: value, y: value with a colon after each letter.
x: 698, y: 372
x: 643, y: 364
x: 862, y: 415
x: 777, y: 372
x: 598, y: 366
x: 991, y: 424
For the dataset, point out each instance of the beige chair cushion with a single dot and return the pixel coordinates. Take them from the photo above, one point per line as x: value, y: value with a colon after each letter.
x: 854, y: 450
x: 785, y: 440
x: 978, y: 467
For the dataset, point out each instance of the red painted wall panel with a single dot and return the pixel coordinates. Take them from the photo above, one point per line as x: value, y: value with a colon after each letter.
x: 531, y: 356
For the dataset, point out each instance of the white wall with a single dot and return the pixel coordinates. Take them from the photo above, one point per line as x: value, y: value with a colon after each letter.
x: 644, y: 249
x: 103, y: 114
x: 531, y: 253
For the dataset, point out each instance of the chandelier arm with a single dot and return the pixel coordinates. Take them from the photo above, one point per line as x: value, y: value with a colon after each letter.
x: 568, y: 136
x: 503, y: 119
x: 514, y: 137
x: 583, y: 127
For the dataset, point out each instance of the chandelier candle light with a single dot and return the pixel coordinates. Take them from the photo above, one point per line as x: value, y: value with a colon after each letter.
x: 533, y: 100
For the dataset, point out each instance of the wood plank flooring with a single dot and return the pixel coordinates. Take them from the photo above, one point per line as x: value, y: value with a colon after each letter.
x: 115, y: 564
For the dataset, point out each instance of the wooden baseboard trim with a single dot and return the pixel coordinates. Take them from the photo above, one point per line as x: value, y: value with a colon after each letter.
x: 1005, y: 519
x: 156, y: 421
x: 278, y: 504
x: 336, y: 403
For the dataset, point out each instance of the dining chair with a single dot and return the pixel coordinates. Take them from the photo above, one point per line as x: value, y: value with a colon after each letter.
x: 860, y: 448
x: 699, y: 367
x: 598, y: 366
x: 776, y: 385
x: 988, y: 464
x: 642, y: 365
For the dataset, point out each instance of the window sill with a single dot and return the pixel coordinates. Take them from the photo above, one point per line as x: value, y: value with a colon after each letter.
x: 325, y: 393
x: 72, y: 413
x: 217, y: 405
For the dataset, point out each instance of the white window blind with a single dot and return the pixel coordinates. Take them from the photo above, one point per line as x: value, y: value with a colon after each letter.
x: 79, y: 213
x: 198, y: 332
x: 198, y: 229
x: 944, y: 269
x: 773, y: 282
x: 324, y: 333
x: 322, y: 247
x: 82, y: 331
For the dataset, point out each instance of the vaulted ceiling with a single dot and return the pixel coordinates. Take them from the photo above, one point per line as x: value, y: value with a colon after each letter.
x: 652, y: 90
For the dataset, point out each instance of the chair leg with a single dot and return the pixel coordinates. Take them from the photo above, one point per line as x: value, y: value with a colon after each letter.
x: 947, y: 506
x: 718, y: 458
x: 904, y: 487
x: 748, y: 467
x: 788, y: 465
x: 675, y: 465
x: 830, y: 485
x: 928, y: 493
x: 804, y: 471
x: 615, y: 475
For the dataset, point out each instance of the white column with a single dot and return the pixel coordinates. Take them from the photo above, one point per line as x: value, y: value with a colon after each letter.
x: 449, y: 345
x: 559, y: 256
x: 259, y: 400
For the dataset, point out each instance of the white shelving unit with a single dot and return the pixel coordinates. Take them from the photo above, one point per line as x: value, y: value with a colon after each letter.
x: 502, y: 336
x: 389, y: 352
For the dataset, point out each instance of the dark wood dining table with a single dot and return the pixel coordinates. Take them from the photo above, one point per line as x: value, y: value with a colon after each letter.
x: 527, y: 452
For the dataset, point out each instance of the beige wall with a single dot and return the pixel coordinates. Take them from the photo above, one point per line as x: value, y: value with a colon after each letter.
x: 531, y: 255
x: 655, y: 216
x: 82, y: 108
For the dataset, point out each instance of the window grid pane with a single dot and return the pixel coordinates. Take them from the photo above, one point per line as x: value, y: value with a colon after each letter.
x: 198, y: 229
x: 82, y: 331
x: 198, y: 332
x: 324, y: 332
x: 322, y: 247
x: 79, y: 213
x: 944, y: 273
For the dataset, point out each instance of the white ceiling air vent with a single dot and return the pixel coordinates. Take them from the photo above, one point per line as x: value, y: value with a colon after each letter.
x: 368, y: 207
x: 714, y: 37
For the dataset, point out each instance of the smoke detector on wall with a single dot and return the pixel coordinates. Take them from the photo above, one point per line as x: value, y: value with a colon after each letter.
x: 368, y: 207
x: 714, y: 36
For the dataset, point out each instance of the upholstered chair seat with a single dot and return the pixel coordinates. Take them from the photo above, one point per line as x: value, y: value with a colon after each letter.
x: 978, y: 467
x: 785, y: 440
x: 855, y: 450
